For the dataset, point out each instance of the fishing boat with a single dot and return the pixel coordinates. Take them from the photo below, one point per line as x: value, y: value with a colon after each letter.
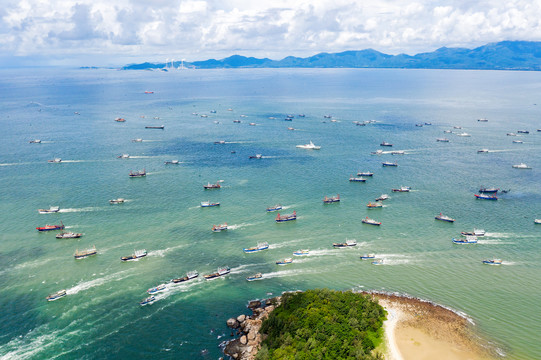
x: 469, y: 239
x: 51, y: 227
x: 85, y: 253
x: 136, y: 174
x: 377, y: 152
x: 137, y: 254
x: 57, y: 295
x: 35, y: 141
x: 137, y: 140
x: 220, y: 272
x: 537, y: 221
x: 212, y: 186
x: 148, y: 301
x: 304, y: 252
x: 117, y: 201
x: 51, y: 209
x: 286, y: 217
x: 475, y: 232
x: 374, y: 205
x: 333, y: 199
x: 383, y: 143
x: 310, y: 146
x: 382, y: 197
x: 259, y: 247
x: 493, y: 262
x: 365, y: 173
x: 521, y: 166
x: 274, y: 208
x: 155, y: 127
x: 486, y: 196
x: 189, y: 276
x: 158, y: 289
x: 482, y: 151
x: 123, y: 156
x: 218, y: 228
x: 368, y: 256
x: 444, y: 218
x: 68, y: 235
x: 119, y: 119
x: 523, y: 132
x: 171, y: 162
x: 55, y: 160
x: 257, y: 276
x: 442, y: 140
x: 388, y: 163
x: 402, y: 189
x: 256, y: 156
x: 345, y: 244
x: 486, y: 190
x: 284, y: 261
x: 209, y: 204
x: 377, y: 262
x: 369, y: 221
x: 357, y: 179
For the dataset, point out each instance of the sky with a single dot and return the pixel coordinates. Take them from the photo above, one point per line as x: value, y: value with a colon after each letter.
x: 118, y: 32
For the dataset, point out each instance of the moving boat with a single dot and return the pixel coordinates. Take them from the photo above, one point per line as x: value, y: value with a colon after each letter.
x: 274, y: 208
x: 171, y: 162
x: 117, y: 201
x: 252, y: 124
x: 398, y: 152
x: 402, y: 189
x: 486, y: 196
x: 475, y: 232
x: 493, y: 262
x: 137, y: 254
x: 51, y: 227
x: 377, y: 262
x: 382, y: 197
x: 374, y: 205
x: 521, y: 166
x: 155, y: 127
x: 523, y: 132
x: 286, y: 217
x: 357, y: 179
x: 388, y: 163
x: 345, y: 244
x: 68, y: 235
x: 301, y: 252
x: 368, y: 256
x: 148, y: 301
x: 284, y: 261
x: 369, y: 221
x: 419, y: 125
x: 491, y: 190
x: 482, y: 120
x: 469, y: 239
x: 36, y: 141
x: 134, y: 174
x: 149, y: 92
x: 511, y: 134
x: 537, y: 221
x: 158, y: 289
x: 333, y: 199
x: 442, y: 140
x: 119, y: 119
x: 482, y: 151
x: 257, y: 276
x: 55, y: 160
x: 189, y: 276
x: 383, y: 143
x: 464, y: 134
x: 209, y: 204
x: 212, y: 186
x: 57, y: 295
x: 377, y: 152
x: 137, y: 140
x: 85, y: 253
x: 259, y: 247
x: 220, y: 142
x: 310, y: 145
x: 365, y: 173
x: 518, y: 142
x: 218, y: 228
x: 444, y: 218
x: 123, y: 156
x: 256, y: 156
x: 220, y: 272
x: 51, y: 209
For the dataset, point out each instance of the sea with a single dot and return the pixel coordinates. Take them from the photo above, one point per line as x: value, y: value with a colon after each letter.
x: 348, y: 112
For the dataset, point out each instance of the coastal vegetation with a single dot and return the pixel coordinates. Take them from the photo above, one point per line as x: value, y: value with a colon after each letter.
x: 323, y: 324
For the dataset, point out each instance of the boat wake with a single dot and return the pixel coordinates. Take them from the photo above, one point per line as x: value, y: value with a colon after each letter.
x: 85, y: 285
x: 285, y: 273
x: 242, y: 268
x: 239, y: 226
x: 509, y: 263
x: 143, y: 156
x: 493, y: 242
x: 161, y: 253
x: 286, y: 244
x: 93, y: 208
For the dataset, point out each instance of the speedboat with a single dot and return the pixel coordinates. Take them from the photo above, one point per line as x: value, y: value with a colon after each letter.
x: 158, y: 289
x: 382, y: 197
x: 486, y: 196
x: 218, y: 228
x: 357, y: 179
x: 310, y: 145
x: 57, y: 295
x: 442, y: 140
x: 469, y: 239
x: 274, y: 208
x: 220, y: 142
x: 51, y: 227
x: 257, y: 276
x: 444, y: 218
x: 492, y: 190
x: 259, y: 247
x: 209, y: 204
x: 482, y: 120
x: 332, y: 199
x: 482, y: 151
x: 377, y: 152
x: 374, y: 205
x: 68, y: 235
x: 256, y: 156
x: 119, y: 119
x: 383, y: 143
x: 493, y: 262
x: 137, y: 254
x: 135, y: 174
x: 368, y: 256
x: 523, y: 132
x: 398, y: 152
x: 286, y: 217
x: 301, y: 252
x: 189, y: 276
x: 369, y: 221
x: 35, y: 141
x: 148, y: 301
x: 291, y: 128
x: 365, y: 173
x: 284, y: 261
x: 402, y: 189
x: 155, y: 127
x: 464, y: 134
x: 377, y: 262
x: 212, y: 186
x: 117, y: 201
x: 521, y: 166
x: 518, y: 142
x: 475, y: 232
x: 388, y: 163
x: 137, y: 140
x: 252, y: 124
x: 345, y: 244
x: 220, y: 272
x: 85, y: 253
x: 55, y: 160
x: 123, y: 156
x: 537, y: 221
x: 51, y: 209
x: 171, y: 162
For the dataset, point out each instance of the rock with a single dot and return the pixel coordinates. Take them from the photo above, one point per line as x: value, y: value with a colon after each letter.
x: 253, y: 304
x: 241, y: 318
x: 243, y: 340
x: 232, y: 323
x: 251, y: 335
x: 269, y: 308
x: 249, y: 349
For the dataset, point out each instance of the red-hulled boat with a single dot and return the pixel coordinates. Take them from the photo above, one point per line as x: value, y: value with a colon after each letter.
x: 51, y: 227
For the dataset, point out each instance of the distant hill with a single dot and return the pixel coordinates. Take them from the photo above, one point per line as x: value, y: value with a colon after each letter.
x: 505, y: 55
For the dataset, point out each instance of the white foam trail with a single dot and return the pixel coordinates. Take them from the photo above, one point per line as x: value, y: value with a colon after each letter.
x: 162, y: 252
x: 509, y: 263
x: 144, y: 157
x: 10, y: 164
x: 69, y: 210
x: 85, y: 285
x: 23, y: 350
x: 493, y: 242
x: 239, y: 226
x: 284, y: 273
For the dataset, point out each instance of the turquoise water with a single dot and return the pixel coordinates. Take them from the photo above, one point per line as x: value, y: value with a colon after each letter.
x: 73, y: 112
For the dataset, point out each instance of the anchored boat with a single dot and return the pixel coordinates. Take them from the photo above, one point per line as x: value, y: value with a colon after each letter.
x: 444, y: 218
x: 486, y: 196
x: 369, y: 221
x: 382, y: 197
x: 212, y: 186
x: 357, y: 179
x: 333, y: 199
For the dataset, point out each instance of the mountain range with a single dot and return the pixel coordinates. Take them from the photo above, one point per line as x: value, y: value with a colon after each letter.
x: 505, y: 55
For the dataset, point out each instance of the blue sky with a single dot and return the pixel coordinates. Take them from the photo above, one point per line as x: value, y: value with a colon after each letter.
x: 116, y: 32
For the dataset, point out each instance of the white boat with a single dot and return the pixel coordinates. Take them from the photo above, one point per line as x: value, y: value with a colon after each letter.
x: 172, y: 162
x: 51, y: 209
x: 158, y: 289
x: 475, y: 232
x: 55, y: 160
x: 444, y: 218
x: 209, y: 204
x: 402, y: 189
x: 521, y: 166
x: 464, y: 134
x: 123, y: 156
x: 398, y: 152
x: 518, y: 142
x: 68, y: 235
x: 482, y: 151
x: 345, y: 244
x: 511, y: 134
x: 369, y: 221
x: 36, y: 141
x: 117, y: 201
x: 256, y: 156
x: 137, y: 140
x: 537, y: 221
x: 137, y: 254
x: 301, y: 252
x: 310, y: 146
x: 382, y: 197
x: 377, y: 152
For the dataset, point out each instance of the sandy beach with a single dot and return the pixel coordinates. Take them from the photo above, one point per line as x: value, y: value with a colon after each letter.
x: 419, y: 330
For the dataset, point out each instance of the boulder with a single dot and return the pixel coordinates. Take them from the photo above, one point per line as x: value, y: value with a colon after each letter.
x: 232, y: 323
x: 253, y: 304
x: 251, y: 335
x: 241, y: 318
x: 243, y: 340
